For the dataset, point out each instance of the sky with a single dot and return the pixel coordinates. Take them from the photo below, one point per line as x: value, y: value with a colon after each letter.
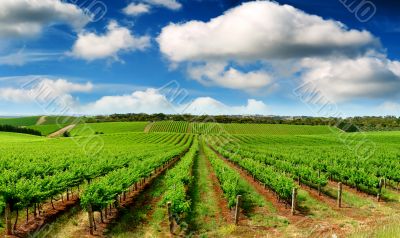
x: 332, y: 58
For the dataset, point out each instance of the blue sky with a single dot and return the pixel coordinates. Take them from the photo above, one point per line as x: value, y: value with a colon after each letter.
x: 325, y: 58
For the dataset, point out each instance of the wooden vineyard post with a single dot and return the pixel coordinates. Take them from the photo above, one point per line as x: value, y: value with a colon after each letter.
x: 294, y: 201
x: 171, y: 222
x: 380, y: 189
x: 90, y: 216
x: 7, y: 214
x: 339, y: 198
x: 237, y: 209
x: 319, y: 184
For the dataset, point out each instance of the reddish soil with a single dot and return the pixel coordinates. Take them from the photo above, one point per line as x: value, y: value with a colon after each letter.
x: 222, y: 203
x: 48, y: 215
x: 319, y: 228
x: 282, y: 208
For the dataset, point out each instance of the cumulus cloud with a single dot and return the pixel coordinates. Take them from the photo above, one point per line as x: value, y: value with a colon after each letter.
x: 152, y: 101
x: 43, y: 90
x: 91, y: 46
x: 229, y: 77
x: 170, y: 4
x: 210, y: 106
x: 21, y: 18
x: 343, y: 79
x: 136, y: 9
x: 261, y: 30
x: 257, y: 32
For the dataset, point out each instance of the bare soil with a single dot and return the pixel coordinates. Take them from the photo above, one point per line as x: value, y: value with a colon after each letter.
x: 61, y: 131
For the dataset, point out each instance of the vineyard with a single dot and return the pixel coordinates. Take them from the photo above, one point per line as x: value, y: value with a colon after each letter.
x: 219, y: 128
x: 108, y: 128
x: 199, y: 179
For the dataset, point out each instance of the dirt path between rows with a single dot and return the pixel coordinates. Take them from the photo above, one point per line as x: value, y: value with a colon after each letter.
x: 41, y: 120
x: 282, y: 208
x: 222, y: 203
x: 61, y: 131
x: 148, y: 127
x: 48, y: 214
x: 131, y: 197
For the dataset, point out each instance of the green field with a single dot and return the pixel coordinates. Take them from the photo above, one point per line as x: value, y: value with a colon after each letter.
x: 48, y: 129
x: 201, y: 169
x: 8, y: 137
x: 234, y: 128
x: 170, y: 126
x: 23, y: 121
x: 108, y: 128
x: 61, y: 120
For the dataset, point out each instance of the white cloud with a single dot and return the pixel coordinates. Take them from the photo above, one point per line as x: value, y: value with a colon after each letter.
x: 43, y: 90
x: 23, y: 57
x: 149, y: 101
x: 152, y: 101
x: 91, y: 46
x: 21, y: 18
x: 170, y: 4
x: 343, y: 79
x: 210, y: 106
x: 136, y: 9
x: 261, y: 30
x: 258, y: 32
x: 229, y: 77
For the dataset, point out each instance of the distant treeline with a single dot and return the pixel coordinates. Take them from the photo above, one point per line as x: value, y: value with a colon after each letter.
x: 23, y: 130
x: 353, y: 124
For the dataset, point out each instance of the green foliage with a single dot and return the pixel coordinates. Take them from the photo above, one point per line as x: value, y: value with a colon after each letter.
x: 61, y: 120
x: 170, y: 126
x: 178, y: 180
x: 21, y: 121
x: 268, y: 175
x: 105, y: 190
x: 221, y: 129
x: 348, y: 127
x: 45, y: 168
x: 108, y: 128
x: 46, y: 130
x: 314, y: 159
x: 23, y: 130
x: 231, y: 182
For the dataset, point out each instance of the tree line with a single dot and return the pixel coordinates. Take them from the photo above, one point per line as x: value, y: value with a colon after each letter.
x: 23, y: 130
x: 351, y: 124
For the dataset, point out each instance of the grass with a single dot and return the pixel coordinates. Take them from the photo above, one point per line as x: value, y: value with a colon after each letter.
x: 108, y: 128
x: 389, y: 230
x: 202, y: 218
x: 11, y: 137
x: 21, y: 121
x: 48, y: 129
x: 57, y: 228
x: 311, y: 207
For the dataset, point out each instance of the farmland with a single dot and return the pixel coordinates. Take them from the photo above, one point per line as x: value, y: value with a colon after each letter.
x: 150, y: 176
x: 23, y: 121
x: 108, y: 128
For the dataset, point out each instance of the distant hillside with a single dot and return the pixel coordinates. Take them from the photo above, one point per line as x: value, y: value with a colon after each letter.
x: 20, y: 121
x: 240, y: 128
